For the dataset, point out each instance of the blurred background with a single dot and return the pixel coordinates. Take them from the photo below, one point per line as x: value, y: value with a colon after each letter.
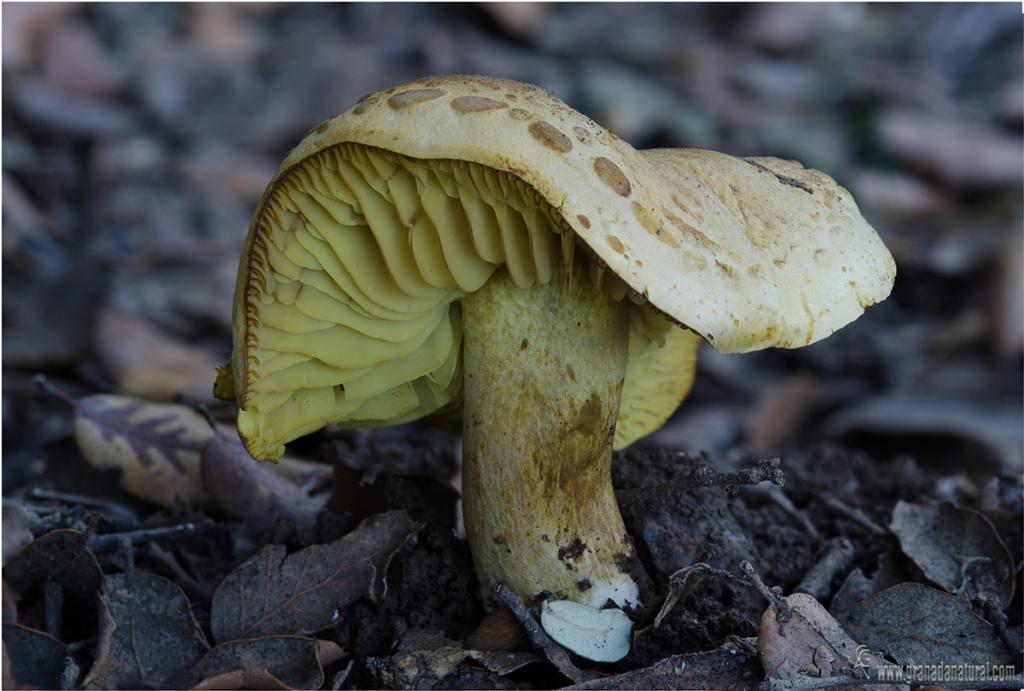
x: 137, y: 140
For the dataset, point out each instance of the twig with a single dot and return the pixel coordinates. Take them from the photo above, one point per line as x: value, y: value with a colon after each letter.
x: 190, y: 585
x: 764, y: 470
x: 555, y: 653
x: 817, y: 582
x: 774, y: 598
x: 678, y: 585
x: 111, y: 540
x: 997, y: 618
x: 855, y: 515
x: 44, y: 385
x: 122, y: 512
x: 780, y: 499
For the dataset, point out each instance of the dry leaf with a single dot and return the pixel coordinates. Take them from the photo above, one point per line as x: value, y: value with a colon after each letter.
x: 37, y: 660
x: 145, y: 361
x: 254, y: 493
x: 148, y: 634
x: 158, y: 448
x: 804, y: 640
x: 521, y: 19
x: 285, y: 662
x: 917, y: 624
x: 712, y: 669
x: 60, y: 556
x: 499, y: 630
x: 956, y: 548
x: 427, y: 660
x: 1009, y: 304
x: 302, y: 593
x: 779, y: 411
x: 959, y: 150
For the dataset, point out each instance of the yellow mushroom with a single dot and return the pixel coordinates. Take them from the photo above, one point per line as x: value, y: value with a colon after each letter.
x: 472, y: 248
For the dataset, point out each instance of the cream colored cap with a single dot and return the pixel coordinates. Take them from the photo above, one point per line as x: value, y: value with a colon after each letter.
x: 747, y: 252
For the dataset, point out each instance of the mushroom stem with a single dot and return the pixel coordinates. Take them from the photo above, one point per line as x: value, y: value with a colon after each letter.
x: 544, y: 368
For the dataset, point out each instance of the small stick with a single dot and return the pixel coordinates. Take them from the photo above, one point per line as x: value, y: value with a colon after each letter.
x: 183, y: 578
x: 855, y: 515
x: 53, y: 603
x: 123, y: 512
x: 44, y: 385
x: 678, y: 584
x: 997, y: 618
x: 783, y: 502
x: 817, y: 582
x: 110, y: 540
x: 555, y: 653
x: 765, y: 470
x: 774, y: 598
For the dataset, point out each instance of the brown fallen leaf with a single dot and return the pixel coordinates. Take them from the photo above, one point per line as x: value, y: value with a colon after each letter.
x: 426, y: 659
x: 73, y: 57
x: 521, y: 19
x: 724, y: 668
x: 145, y: 361
x: 996, y: 432
x: 803, y: 640
x: 916, y: 624
x: 956, y: 548
x: 779, y: 410
x: 36, y: 660
x: 254, y: 493
x: 148, y: 634
x: 955, y: 148
x: 63, y: 558
x: 275, y: 662
x: 24, y: 25
x: 275, y: 593
x: 499, y: 630
x: 158, y: 447
x: 1008, y: 309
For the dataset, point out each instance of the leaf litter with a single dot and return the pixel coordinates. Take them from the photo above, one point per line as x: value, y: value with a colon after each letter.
x: 275, y: 593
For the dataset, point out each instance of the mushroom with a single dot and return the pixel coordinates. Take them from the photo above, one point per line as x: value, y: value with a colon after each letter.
x: 473, y: 250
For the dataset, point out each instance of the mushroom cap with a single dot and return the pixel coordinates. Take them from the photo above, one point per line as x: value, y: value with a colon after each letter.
x: 367, y: 233
x: 750, y: 253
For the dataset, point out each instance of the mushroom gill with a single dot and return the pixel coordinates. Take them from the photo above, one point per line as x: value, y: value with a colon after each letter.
x: 357, y: 263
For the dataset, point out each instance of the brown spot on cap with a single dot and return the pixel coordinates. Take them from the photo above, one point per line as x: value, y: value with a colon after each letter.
x: 689, y: 231
x: 520, y: 114
x: 582, y: 135
x: 652, y: 224
x: 524, y: 344
x: 616, y: 244
x: 584, y: 221
x: 476, y: 104
x: 612, y: 176
x: 411, y: 98
x: 364, y: 104
x: 550, y: 136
